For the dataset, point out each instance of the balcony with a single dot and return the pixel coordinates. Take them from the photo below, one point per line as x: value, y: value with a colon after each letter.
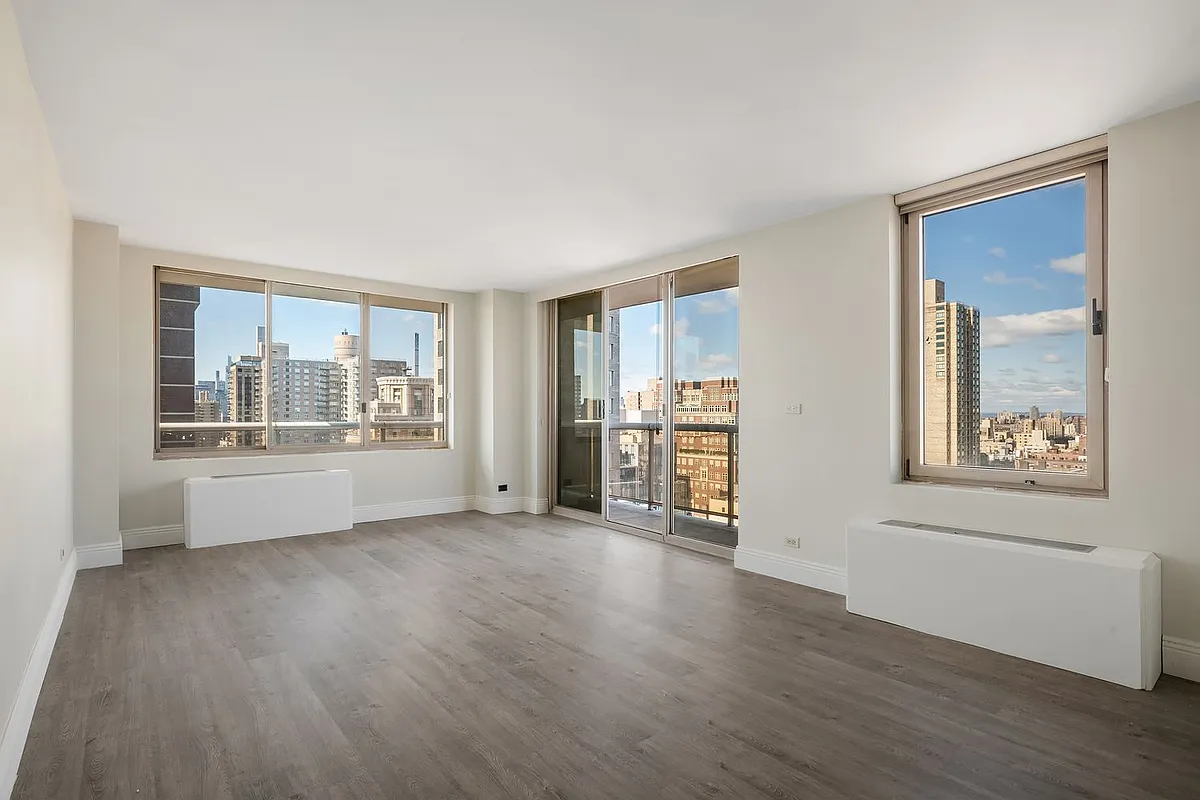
x: 705, y: 479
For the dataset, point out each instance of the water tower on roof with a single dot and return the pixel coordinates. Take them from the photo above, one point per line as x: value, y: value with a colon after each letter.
x: 345, y: 346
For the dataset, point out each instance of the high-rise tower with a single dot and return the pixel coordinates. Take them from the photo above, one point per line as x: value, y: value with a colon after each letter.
x: 951, y: 347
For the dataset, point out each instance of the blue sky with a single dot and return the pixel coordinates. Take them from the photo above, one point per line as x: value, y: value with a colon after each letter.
x: 1019, y: 259
x: 706, y: 339
x: 226, y: 322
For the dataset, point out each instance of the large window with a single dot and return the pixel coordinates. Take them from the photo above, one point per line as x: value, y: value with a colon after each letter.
x: 1004, y: 325
x: 247, y: 366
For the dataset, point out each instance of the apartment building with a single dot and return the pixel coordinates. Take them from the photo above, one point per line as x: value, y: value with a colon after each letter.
x: 951, y: 375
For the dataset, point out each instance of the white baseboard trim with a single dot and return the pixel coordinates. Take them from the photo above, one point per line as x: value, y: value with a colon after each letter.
x: 155, y: 536
x: 794, y: 570
x: 163, y: 535
x: 499, y: 505
x: 1181, y: 658
x: 413, y: 508
x: 109, y: 554
x: 536, y: 505
x: 12, y: 745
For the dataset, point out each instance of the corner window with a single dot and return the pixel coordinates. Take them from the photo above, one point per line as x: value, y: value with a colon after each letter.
x: 249, y: 366
x: 1010, y: 270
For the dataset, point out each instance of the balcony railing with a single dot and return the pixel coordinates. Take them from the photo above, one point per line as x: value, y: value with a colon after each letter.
x: 646, y: 489
x: 397, y: 431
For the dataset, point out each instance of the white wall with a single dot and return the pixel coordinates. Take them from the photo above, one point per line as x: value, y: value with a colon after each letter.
x: 535, y: 322
x: 151, y: 492
x: 485, y: 407
x: 502, y: 355
x: 35, y: 404
x: 508, y: 381
x: 808, y: 475
x: 97, y: 396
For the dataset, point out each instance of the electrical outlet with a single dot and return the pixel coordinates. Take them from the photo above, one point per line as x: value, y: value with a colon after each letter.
x: 502, y: 487
x: 61, y: 554
x: 793, y: 408
x: 791, y: 541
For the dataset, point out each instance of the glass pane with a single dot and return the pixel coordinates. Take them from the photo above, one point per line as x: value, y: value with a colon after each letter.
x: 706, y: 403
x: 406, y: 395
x: 209, y: 373
x: 1003, y: 319
x: 579, y: 401
x: 635, y: 408
x: 313, y: 353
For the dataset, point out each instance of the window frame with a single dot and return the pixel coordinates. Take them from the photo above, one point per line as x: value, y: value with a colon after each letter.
x: 1087, y: 160
x: 365, y: 300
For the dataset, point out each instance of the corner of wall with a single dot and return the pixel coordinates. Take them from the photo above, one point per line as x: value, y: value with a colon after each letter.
x: 12, y: 742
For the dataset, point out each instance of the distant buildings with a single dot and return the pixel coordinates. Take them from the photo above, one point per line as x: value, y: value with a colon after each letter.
x: 705, y: 470
x: 1045, y: 442
x: 326, y: 391
x: 956, y: 434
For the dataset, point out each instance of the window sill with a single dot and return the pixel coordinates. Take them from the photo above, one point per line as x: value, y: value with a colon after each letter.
x: 994, y: 488
x: 231, y: 452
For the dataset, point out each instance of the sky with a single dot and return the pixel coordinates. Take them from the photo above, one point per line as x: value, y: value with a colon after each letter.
x: 227, y: 322
x: 1019, y: 260
x: 706, y: 339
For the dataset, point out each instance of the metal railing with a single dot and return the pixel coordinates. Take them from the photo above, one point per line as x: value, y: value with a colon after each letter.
x: 655, y: 429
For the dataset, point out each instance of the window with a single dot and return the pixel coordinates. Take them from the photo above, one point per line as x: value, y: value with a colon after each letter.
x: 1008, y: 266
x: 205, y: 399
x: 315, y: 339
x: 307, y: 340
x: 405, y: 381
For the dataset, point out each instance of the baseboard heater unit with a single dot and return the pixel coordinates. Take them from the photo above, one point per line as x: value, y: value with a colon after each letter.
x: 1091, y: 610
x: 247, y: 508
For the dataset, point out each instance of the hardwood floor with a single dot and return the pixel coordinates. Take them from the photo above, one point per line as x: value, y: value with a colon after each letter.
x: 519, y: 656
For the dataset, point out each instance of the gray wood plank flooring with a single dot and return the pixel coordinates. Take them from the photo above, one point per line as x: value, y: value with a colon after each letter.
x: 538, y: 657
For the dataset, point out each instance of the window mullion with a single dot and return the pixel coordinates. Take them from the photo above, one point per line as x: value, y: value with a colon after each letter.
x: 268, y: 381
x: 364, y: 370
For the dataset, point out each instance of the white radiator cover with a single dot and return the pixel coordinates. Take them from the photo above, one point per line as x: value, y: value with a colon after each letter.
x: 249, y: 508
x: 1097, y: 613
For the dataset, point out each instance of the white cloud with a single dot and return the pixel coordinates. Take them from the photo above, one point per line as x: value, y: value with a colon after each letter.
x: 998, y: 252
x: 681, y: 328
x: 720, y: 302
x: 1007, y: 371
x: 1033, y: 370
x: 1001, y: 278
x: 1052, y: 358
x: 1075, y: 265
x: 714, y: 362
x: 1014, y: 328
x: 1031, y: 390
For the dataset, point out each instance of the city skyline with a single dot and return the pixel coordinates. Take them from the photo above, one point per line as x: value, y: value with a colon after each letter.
x: 226, y: 322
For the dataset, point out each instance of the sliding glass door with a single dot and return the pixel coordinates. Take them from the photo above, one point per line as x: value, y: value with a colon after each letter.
x: 635, y: 410
x: 705, y: 403
x: 579, y: 402
x: 647, y: 405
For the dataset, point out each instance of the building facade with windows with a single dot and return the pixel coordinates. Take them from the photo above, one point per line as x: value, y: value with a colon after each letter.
x: 951, y: 347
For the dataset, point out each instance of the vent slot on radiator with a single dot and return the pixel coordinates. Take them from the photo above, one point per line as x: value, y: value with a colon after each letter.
x: 999, y: 537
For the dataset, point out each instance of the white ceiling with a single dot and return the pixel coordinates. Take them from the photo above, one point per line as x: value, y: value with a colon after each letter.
x: 470, y: 144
